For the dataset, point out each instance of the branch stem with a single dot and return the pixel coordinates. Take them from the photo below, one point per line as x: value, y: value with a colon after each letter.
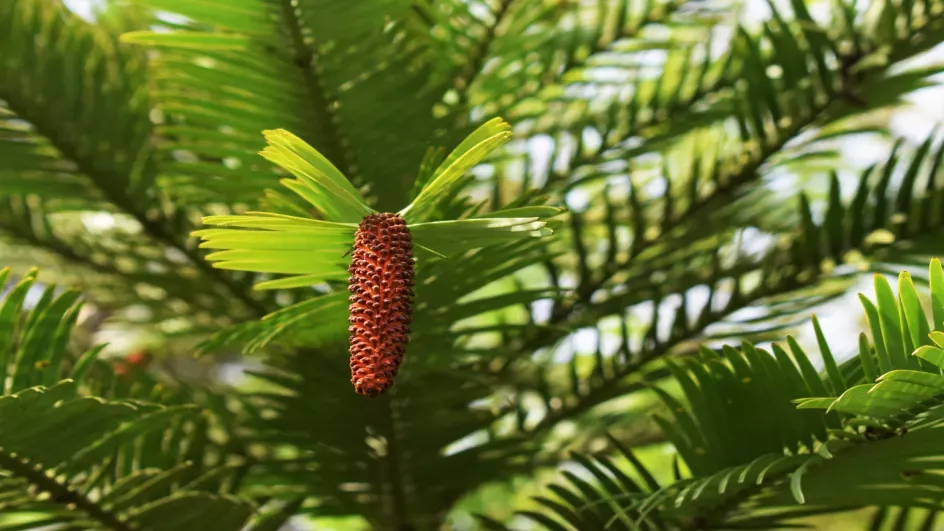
x: 59, y: 493
x: 325, y: 119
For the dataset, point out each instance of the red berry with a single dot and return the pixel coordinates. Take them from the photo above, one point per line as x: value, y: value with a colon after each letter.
x: 137, y: 358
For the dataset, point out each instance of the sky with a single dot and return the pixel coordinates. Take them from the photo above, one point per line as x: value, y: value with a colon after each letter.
x: 81, y: 7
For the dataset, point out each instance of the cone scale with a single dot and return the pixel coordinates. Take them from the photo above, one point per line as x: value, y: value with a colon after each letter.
x: 381, y: 309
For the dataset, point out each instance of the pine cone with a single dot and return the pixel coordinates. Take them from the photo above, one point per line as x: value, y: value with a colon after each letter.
x: 381, y: 286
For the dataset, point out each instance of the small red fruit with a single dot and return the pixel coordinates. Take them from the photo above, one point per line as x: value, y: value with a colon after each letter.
x: 139, y: 357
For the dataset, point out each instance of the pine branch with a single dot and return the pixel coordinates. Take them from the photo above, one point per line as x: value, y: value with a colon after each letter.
x: 737, y: 460
x: 905, y: 46
x: 117, y: 161
x: 676, y: 111
x: 613, y: 386
x: 784, y: 270
x: 55, y: 246
x: 58, y: 493
x: 602, y: 44
x: 587, y: 311
x: 477, y: 56
x: 305, y: 58
x: 725, y: 187
x: 155, y: 226
x: 396, y: 475
x: 651, y: 17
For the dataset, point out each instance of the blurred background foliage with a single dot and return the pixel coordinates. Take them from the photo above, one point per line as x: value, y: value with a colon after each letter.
x: 729, y: 168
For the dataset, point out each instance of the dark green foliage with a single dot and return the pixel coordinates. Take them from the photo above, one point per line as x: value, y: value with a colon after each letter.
x: 112, y: 461
x: 760, y: 451
x: 651, y: 136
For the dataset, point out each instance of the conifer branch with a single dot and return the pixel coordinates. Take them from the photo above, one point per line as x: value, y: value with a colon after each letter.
x: 59, y: 493
x: 306, y: 59
x: 480, y: 53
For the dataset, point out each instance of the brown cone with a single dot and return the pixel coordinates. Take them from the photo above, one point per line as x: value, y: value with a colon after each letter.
x: 381, y: 286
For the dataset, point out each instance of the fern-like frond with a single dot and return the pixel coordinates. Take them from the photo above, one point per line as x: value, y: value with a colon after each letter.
x: 75, y: 461
x: 324, y: 70
x: 719, y: 291
x: 87, y: 134
x: 657, y: 231
x: 396, y: 454
x: 874, y: 444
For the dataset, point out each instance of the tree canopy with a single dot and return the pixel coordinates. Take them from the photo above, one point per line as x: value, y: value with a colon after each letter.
x: 623, y: 213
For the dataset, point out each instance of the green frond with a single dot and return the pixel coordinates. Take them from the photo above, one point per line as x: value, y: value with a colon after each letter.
x: 313, y: 250
x: 699, y: 150
x: 264, y: 61
x: 445, y: 297
x: 809, y: 264
x: 91, y: 130
x: 753, y: 120
x: 87, y: 462
x: 602, y: 48
x: 58, y: 109
x: 873, y: 445
x: 907, y: 355
x: 457, y: 236
x: 454, y: 338
x: 469, y: 153
x: 319, y: 182
x: 322, y: 318
x: 111, y: 264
